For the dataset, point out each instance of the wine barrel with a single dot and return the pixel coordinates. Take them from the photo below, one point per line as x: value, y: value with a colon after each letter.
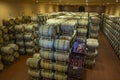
x: 1, y: 40
x: 19, y: 28
x: 11, y: 22
x: 14, y: 46
x: 60, y: 66
x: 89, y: 62
x: 63, y: 45
x: 47, y: 74
x: 4, y: 29
x: 65, y: 37
x: 92, y: 54
x: 19, y: 36
x: 47, y: 30
x: 26, y: 19
x: 34, y: 73
x: 28, y: 36
x: 60, y: 76
x: 33, y: 63
x: 11, y: 29
x: 7, y: 50
x: 6, y: 37
x: 92, y: 42
x: 68, y: 26
x: 16, y: 55
x: 83, y: 22
x: 18, y: 20
x: 46, y: 43
x: 93, y: 35
x: 34, y: 18
x: 46, y: 64
x: 35, y: 25
x: 21, y: 51
x: 37, y: 56
x: 8, y: 58
x: 30, y: 44
x: 20, y: 43
x: 1, y: 66
x: 82, y: 31
x: 94, y: 28
x: 46, y: 54
x: 95, y: 20
x: 29, y: 28
x: 30, y: 51
x: 60, y: 56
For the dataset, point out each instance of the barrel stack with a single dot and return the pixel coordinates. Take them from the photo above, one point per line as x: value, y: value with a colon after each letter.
x: 1, y: 42
x: 29, y: 38
x: 92, y: 52
x: 51, y: 62
x: 8, y: 48
x: 64, y: 44
x: 19, y: 37
x: 46, y: 42
x: 94, y: 26
x: 82, y: 28
x: 42, y: 18
x: 4, y: 35
x: 9, y: 53
x: 34, y: 66
x: 92, y: 41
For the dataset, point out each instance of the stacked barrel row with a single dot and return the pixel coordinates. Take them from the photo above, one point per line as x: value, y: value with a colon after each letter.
x: 82, y: 29
x: 111, y: 28
x: 7, y: 42
x: 34, y: 67
x: 30, y: 36
x: 19, y: 37
x: 69, y: 33
x: 42, y: 18
x: 9, y: 53
x: 26, y: 37
x: 4, y: 35
x: 1, y: 43
x: 51, y: 61
x: 94, y: 27
x: 92, y: 52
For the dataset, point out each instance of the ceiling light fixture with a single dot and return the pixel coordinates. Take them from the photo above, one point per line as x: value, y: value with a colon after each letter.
x: 37, y: 1
x: 116, y: 0
x: 86, y: 1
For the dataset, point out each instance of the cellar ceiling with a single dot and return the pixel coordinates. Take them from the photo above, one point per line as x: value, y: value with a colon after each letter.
x: 67, y: 2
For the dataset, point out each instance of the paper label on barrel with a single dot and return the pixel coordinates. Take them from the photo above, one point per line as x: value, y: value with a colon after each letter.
x: 75, y: 67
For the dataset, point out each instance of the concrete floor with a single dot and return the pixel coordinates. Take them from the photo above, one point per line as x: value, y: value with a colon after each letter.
x: 107, y: 65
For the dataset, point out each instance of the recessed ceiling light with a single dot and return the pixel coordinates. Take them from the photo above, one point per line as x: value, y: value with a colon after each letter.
x: 86, y: 0
x: 36, y: 1
x: 116, y: 0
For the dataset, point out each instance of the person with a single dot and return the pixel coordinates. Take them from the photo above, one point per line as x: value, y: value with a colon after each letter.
x: 81, y: 9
